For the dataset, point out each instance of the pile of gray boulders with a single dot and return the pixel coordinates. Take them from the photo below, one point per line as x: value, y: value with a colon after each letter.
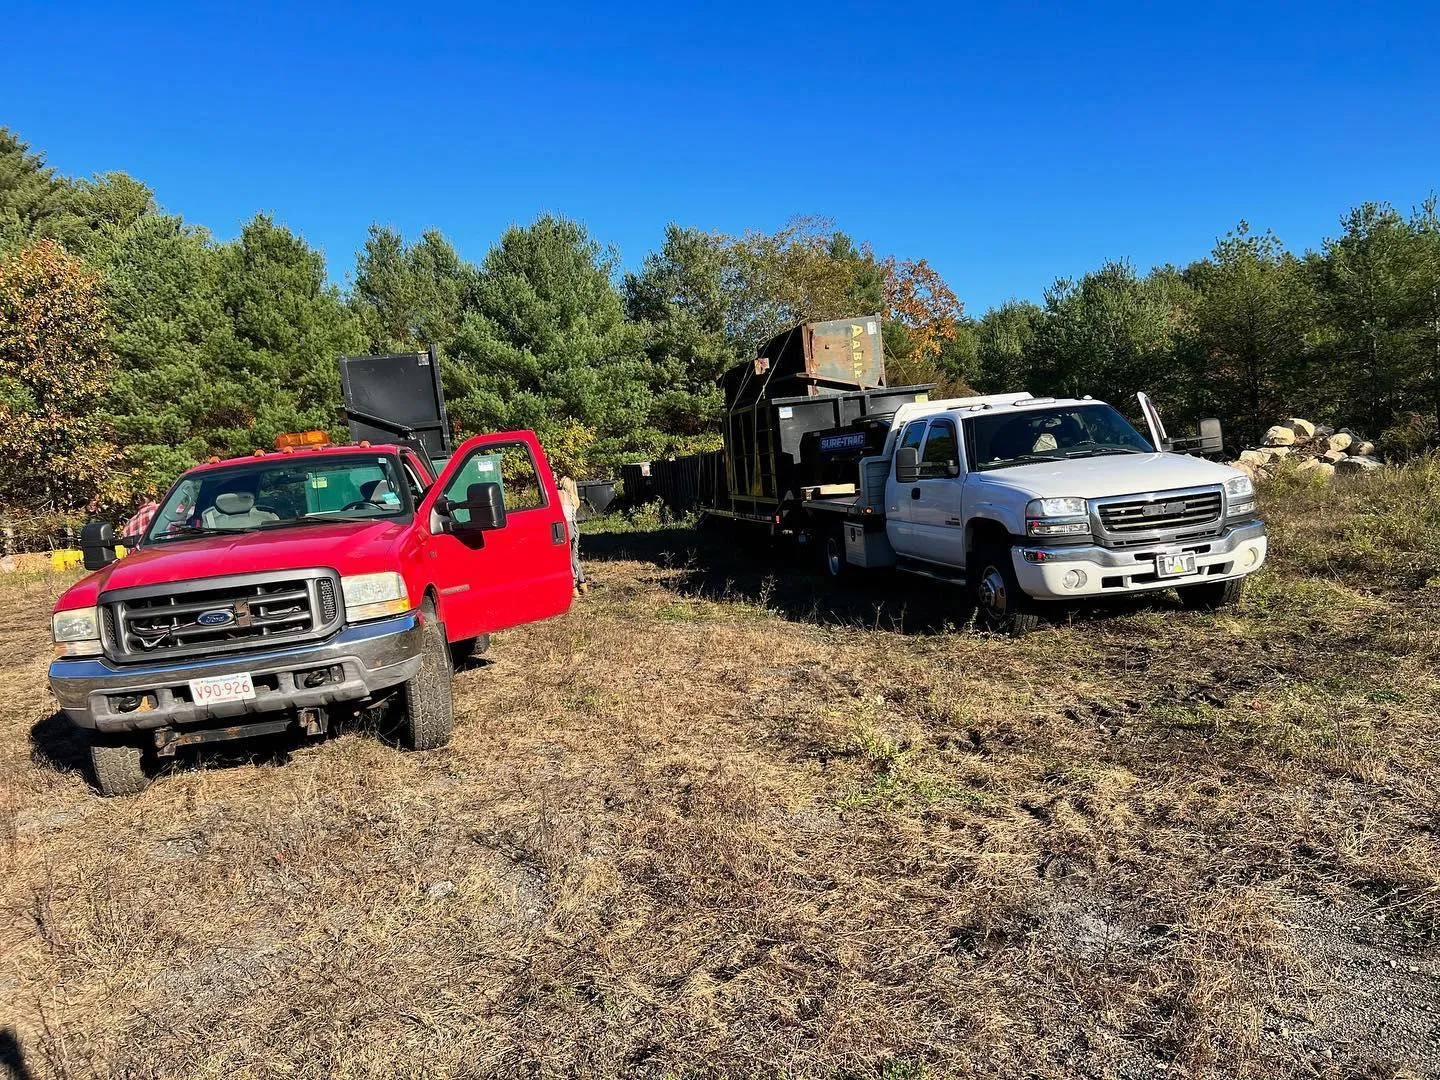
x: 1310, y: 449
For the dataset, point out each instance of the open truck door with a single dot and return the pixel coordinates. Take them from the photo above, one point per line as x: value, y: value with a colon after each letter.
x: 1148, y: 410
x: 394, y: 397
x: 1209, y: 442
x: 498, y: 547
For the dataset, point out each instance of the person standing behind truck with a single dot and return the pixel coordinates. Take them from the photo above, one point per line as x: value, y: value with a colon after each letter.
x: 570, y: 503
x: 135, y: 528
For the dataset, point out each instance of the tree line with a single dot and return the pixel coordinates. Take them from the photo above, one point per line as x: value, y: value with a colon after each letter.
x: 134, y: 343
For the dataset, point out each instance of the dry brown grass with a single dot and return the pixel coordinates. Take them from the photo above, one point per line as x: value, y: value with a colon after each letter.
x: 723, y: 822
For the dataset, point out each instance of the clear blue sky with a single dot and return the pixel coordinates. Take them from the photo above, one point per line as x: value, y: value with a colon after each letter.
x: 1007, y: 143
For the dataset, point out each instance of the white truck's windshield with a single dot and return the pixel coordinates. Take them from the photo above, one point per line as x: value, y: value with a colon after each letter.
x: 1000, y: 439
x: 282, y: 491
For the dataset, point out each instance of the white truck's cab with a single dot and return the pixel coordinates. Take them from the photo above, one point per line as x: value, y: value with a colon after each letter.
x: 1038, y: 499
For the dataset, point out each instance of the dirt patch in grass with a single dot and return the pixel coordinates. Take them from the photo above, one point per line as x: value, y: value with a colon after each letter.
x: 725, y: 820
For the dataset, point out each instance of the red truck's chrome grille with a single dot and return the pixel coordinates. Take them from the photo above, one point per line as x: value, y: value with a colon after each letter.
x: 220, y: 614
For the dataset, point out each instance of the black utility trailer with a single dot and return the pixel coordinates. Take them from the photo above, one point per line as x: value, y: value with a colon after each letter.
x: 784, y: 453
x: 799, y: 419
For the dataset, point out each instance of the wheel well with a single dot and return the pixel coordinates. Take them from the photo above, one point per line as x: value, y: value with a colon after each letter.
x: 984, y: 532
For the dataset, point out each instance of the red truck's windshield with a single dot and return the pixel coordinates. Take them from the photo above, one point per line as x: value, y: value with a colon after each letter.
x: 283, y: 490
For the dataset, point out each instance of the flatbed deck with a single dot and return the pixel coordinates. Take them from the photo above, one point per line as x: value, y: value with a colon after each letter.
x: 850, y: 505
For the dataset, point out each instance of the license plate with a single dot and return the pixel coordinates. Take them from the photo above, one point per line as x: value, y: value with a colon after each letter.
x: 220, y: 688
x: 1174, y: 565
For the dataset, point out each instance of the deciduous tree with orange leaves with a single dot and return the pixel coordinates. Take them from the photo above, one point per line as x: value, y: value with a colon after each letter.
x: 917, y: 298
x: 54, y: 362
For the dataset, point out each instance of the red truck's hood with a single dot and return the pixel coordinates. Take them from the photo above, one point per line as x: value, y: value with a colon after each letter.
x: 350, y: 547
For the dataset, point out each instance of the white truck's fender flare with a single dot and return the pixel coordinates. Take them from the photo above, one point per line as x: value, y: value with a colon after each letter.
x: 993, y: 513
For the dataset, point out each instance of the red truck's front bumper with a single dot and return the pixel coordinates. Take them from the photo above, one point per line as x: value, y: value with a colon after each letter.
x: 358, y: 662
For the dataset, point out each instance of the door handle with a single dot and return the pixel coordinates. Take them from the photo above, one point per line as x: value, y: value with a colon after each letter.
x: 557, y: 532
x: 914, y: 493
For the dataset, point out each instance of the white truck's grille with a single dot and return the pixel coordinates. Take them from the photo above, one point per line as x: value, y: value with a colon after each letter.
x: 1163, y: 516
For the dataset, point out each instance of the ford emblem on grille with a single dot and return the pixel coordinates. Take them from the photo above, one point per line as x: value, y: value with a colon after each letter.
x: 218, y: 617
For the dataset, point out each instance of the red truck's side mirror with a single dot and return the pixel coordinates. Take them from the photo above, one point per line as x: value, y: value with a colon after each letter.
x: 484, y: 508
x: 97, y: 544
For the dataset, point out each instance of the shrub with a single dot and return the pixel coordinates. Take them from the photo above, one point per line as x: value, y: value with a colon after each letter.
x: 1381, y: 528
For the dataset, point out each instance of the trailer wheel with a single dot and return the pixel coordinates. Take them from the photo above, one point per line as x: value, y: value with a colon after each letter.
x: 832, y: 554
x: 1001, y: 605
x: 1212, y: 595
x: 118, y: 767
x: 427, y: 698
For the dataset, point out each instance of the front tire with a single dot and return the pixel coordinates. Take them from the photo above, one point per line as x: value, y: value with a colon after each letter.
x: 428, y: 698
x: 118, y: 768
x: 1212, y: 595
x: 1001, y: 605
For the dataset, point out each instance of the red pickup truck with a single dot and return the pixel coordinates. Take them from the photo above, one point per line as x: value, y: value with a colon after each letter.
x: 271, y: 591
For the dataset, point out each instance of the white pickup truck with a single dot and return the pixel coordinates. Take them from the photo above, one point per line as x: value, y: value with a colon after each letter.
x: 1029, y: 501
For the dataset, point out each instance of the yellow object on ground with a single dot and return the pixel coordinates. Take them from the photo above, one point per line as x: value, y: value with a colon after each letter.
x: 59, y: 561
x: 66, y: 559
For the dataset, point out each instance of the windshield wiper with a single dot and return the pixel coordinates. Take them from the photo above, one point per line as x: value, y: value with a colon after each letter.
x: 1097, y: 451
x: 185, y: 532
x: 1020, y: 459
x: 319, y: 520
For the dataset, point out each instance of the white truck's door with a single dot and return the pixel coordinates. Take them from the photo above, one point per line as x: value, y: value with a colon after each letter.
x: 938, y: 527
x: 900, y: 498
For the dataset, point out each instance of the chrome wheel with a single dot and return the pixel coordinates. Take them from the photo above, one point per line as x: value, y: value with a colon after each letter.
x: 1000, y: 603
x: 834, y: 557
x: 991, y: 592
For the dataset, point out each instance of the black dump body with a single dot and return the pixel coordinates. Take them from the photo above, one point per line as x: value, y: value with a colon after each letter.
x: 798, y: 418
x: 396, y: 397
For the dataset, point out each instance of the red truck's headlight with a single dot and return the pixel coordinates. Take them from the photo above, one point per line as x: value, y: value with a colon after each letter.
x: 373, y: 596
x: 76, y: 632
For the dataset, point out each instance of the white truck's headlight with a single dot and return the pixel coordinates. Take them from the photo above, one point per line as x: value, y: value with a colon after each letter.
x: 1057, y: 517
x: 76, y: 632
x: 1057, y: 508
x: 1240, y: 496
x: 373, y: 596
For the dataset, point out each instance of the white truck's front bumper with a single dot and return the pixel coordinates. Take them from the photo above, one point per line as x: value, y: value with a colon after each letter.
x: 1062, y: 572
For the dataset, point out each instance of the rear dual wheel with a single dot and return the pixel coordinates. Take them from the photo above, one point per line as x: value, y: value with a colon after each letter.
x: 464, y: 651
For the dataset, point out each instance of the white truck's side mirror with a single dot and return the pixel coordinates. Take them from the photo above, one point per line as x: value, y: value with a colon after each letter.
x: 1210, y: 442
x: 1212, y: 437
x: 907, y: 465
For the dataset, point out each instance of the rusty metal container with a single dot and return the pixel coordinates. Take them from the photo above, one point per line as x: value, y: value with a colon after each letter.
x: 811, y: 359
